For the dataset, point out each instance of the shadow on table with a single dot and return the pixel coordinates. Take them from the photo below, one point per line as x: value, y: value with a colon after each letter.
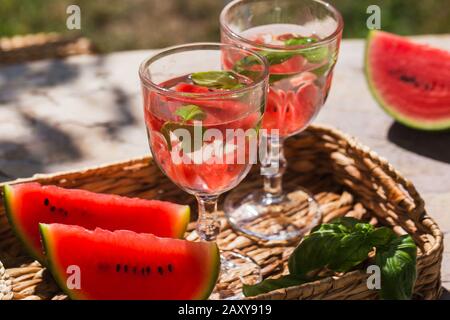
x: 20, y: 77
x: 47, y: 144
x: 433, y: 145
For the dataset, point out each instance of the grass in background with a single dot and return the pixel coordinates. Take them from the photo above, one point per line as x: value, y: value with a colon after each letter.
x: 116, y: 25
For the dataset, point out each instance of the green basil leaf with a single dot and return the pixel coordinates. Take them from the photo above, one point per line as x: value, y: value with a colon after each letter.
x: 382, y: 236
x: 277, y: 77
x: 338, y: 246
x: 216, y: 79
x: 315, y: 55
x: 190, y: 112
x: 188, y: 145
x: 272, y: 284
x: 397, y: 262
x: 297, y: 41
x: 273, y: 57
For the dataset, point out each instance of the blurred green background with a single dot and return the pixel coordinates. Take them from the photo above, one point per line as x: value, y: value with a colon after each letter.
x: 116, y: 25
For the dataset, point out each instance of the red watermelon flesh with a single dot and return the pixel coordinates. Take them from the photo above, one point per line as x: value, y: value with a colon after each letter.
x: 29, y: 204
x: 124, y: 265
x: 290, y: 111
x: 410, y: 81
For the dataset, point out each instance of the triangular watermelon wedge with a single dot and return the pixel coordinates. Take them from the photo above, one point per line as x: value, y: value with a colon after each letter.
x: 124, y: 265
x: 410, y: 81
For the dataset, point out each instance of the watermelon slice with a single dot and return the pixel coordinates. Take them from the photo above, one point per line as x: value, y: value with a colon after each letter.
x: 29, y: 204
x: 119, y: 265
x: 410, y: 81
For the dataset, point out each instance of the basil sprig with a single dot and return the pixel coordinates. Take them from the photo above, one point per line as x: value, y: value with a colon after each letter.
x: 187, y: 113
x: 313, y: 55
x: 216, y: 79
x: 340, y: 246
x: 191, y: 112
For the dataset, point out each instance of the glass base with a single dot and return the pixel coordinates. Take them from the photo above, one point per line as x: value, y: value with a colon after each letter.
x: 235, y: 270
x: 285, y: 217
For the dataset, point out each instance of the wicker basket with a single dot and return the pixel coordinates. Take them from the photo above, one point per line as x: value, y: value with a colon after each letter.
x: 42, y: 46
x: 347, y: 179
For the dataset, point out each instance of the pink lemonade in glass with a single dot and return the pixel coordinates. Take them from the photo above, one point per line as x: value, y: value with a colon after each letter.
x: 299, y: 81
x: 220, y: 158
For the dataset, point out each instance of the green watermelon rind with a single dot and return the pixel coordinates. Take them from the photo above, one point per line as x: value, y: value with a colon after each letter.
x: 407, y: 121
x: 215, y: 265
x: 8, y: 200
x: 47, y: 245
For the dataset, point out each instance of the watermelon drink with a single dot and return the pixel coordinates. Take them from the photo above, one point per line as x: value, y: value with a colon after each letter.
x: 211, y: 167
x: 202, y: 121
x: 300, y: 40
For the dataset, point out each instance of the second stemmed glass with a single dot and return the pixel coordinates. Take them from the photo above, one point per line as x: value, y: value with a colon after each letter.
x: 300, y: 39
x: 202, y: 119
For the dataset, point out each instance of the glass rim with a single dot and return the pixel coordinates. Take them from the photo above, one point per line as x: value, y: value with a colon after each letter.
x: 146, y: 81
x: 224, y: 26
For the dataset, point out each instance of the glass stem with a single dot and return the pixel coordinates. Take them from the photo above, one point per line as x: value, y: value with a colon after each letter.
x: 273, y: 167
x: 208, y: 224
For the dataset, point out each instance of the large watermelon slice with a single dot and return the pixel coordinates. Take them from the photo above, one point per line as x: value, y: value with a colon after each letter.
x: 105, y: 265
x: 29, y: 204
x: 410, y: 81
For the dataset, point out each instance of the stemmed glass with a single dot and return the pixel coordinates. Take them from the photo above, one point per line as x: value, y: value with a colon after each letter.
x: 300, y: 39
x: 202, y: 118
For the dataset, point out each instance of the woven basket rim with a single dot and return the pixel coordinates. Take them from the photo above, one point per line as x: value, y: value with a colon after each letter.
x: 422, y: 217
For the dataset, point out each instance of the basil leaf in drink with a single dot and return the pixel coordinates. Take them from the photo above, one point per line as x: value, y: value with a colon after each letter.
x: 186, y: 133
x: 277, y: 77
x: 273, y: 57
x: 187, y: 113
x: 216, y: 79
x: 272, y: 284
x: 190, y: 112
x: 297, y: 41
x: 397, y: 262
x: 315, y: 55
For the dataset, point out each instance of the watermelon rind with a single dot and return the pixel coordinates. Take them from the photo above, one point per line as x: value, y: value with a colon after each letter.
x: 215, y: 263
x: 421, y: 124
x: 46, y: 240
x: 48, y: 244
x: 8, y: 200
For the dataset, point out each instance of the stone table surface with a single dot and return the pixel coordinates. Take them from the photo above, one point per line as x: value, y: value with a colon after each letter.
x: 83, y: 111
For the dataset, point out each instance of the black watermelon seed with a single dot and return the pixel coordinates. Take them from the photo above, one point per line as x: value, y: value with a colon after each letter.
x: 125, y: 268
x: 52, y: 209
x: 160, y: 270
x: 46, y: 202
x: 170, y: 268
x: 117, y: 267
x: 148, y: 270
x: 134, y: 270
x: 143, y: 271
